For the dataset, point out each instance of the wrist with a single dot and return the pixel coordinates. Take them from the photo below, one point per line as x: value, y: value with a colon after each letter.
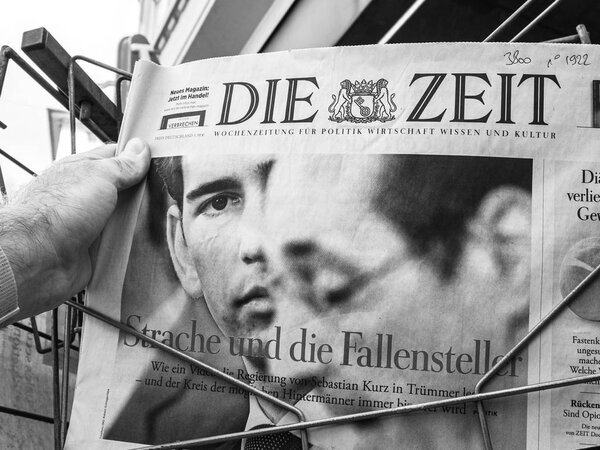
x: 23, y: 238
x: 9, y: 305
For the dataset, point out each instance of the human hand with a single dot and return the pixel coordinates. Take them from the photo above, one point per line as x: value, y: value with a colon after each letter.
x: 47, y: 228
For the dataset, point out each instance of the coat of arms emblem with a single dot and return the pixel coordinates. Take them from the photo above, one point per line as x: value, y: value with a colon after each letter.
x: 362, y: 102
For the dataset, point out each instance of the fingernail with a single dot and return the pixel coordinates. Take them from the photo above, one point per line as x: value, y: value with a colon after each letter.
x: 135, y: 146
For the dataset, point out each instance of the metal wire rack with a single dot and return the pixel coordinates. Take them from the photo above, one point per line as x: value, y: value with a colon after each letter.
x: 85, y: 101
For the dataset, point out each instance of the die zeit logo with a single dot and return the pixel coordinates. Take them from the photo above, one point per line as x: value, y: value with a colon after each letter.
x: 461, y: 96
x: 268, y: 114
x: 363, y: 101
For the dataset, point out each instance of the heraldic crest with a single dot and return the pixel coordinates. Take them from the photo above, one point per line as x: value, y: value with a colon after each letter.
x: 362, y: 102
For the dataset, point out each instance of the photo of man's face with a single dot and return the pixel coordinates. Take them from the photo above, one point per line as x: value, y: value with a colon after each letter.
x: 320, y: 212
x: 215, y: 238
x: 365, y: 246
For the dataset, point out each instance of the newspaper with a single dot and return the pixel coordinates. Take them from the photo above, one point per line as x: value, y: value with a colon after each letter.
x: 352, y: 229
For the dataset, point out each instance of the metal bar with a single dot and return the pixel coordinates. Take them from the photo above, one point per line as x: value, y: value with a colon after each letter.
x: 4, y: 59
x: 64, y: 398
x: 85, y: 108
x: 596, y: 104
x: 108, y: 67
x: 421, y: 407
x: 485, y: 430
x: 508, y: 21
x: 54, y: 61
x: 71, y: 85
x: 71, y: 95
x: 18, y: 163
x: 120, y: 81
x: 130, y: 330
x: 25, y: 414
x: 583, y: 34
x: 36, y: 338
x: 75, y: 316
x: 535, y: 21
x: 524, y: 342
x: 3, y: 192
x: 38, y: 333
x: 564, y: 40
x: 58, y: 444
x: 582, y: 37
x: 401, y: 21
x: 30, y: 330
x: 5, y: 56
x: 9, y: 53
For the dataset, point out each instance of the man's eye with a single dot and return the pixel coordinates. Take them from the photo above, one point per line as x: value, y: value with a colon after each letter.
x: 218, y: 204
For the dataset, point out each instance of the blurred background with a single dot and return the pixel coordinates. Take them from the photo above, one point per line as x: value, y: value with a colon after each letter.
x: 119, y: 32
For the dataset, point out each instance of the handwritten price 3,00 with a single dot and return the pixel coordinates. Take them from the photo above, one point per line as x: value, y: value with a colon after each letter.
x: 514, y: 58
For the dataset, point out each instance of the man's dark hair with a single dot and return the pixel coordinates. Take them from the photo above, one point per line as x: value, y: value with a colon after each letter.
x: 431, y: 198
x: 170, y: 171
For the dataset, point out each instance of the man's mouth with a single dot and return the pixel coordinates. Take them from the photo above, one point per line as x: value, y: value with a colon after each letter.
x: 258, y: 300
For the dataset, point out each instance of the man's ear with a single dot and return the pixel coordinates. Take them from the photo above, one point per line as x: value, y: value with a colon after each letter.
x: 180, y: 254
x: 502, y: 228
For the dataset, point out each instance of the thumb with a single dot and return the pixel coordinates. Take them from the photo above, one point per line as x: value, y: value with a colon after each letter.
x: 131, y: 164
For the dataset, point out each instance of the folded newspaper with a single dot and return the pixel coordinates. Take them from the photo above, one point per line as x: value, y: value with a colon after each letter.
x: 349, y: 230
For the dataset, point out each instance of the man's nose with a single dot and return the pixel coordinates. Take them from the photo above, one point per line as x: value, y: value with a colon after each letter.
x: 251, y: 248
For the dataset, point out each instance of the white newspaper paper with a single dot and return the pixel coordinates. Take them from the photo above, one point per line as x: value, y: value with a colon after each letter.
x: 353, y: 229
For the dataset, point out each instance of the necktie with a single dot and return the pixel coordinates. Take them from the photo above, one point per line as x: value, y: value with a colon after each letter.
x: 276, y: 441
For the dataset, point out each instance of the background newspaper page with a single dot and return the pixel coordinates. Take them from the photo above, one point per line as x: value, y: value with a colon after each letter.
x: 352, y: 229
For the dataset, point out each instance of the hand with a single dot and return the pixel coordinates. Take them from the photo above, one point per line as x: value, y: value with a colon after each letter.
x: 47, y: 229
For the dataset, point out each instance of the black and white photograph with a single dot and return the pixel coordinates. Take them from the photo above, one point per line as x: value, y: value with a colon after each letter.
x: 297, y: 224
